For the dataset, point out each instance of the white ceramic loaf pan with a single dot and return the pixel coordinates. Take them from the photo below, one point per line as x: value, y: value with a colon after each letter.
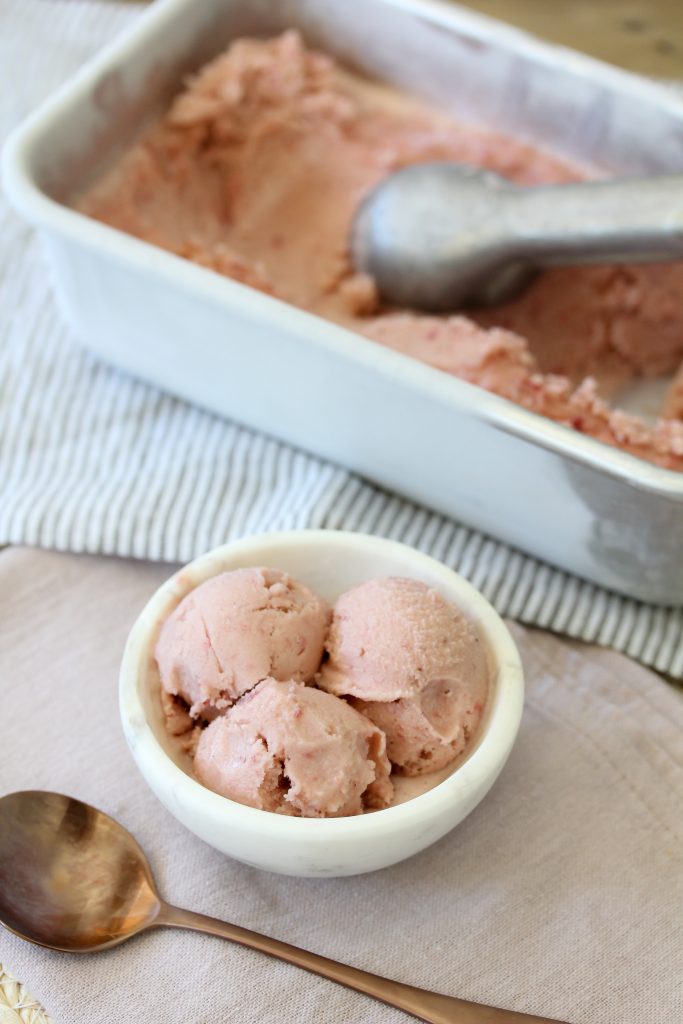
x: 565, y: 498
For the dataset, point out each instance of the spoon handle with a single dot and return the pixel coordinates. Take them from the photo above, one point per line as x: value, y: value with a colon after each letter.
x: 425, y: 1005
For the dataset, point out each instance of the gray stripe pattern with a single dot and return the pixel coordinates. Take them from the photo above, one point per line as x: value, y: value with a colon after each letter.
x: 93, y: 461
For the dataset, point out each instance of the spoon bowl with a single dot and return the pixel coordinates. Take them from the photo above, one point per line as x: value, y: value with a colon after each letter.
x: 71, y: 877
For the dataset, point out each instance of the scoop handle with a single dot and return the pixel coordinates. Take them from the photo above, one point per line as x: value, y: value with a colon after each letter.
x: 425, y: 1005
x: 627, y: 220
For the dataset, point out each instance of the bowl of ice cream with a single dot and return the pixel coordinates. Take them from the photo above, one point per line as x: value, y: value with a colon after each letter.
x: 319, y: 703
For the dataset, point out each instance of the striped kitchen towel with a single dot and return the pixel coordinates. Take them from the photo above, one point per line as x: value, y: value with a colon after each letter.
x: 91, y: 460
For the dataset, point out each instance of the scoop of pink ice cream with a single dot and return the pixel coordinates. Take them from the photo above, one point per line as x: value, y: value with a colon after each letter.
x: 290, y: 748
x: 392, y: 637
x: 416, y: 666
x: 236, y: 629
x: 427, y: 732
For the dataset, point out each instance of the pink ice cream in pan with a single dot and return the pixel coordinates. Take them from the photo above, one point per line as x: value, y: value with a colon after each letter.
x: 257, y: 169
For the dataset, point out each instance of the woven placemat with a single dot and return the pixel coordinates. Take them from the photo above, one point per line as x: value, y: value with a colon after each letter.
x: 16, y: 1005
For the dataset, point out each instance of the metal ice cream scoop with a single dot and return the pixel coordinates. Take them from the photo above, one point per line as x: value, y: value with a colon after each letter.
x: 441, y: 235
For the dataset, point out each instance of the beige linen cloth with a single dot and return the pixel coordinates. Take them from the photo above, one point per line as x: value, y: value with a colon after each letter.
x: 561, y: 894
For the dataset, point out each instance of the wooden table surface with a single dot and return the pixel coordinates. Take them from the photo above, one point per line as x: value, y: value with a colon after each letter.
x: 641, y: 35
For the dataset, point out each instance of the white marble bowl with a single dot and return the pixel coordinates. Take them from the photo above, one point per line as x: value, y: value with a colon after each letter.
x: 330, y: 562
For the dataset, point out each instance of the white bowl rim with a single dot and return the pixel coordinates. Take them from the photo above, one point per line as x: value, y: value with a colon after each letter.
x: 484, y: 762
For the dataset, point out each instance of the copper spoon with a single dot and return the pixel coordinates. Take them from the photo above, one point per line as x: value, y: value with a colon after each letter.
x: 73, y: 879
